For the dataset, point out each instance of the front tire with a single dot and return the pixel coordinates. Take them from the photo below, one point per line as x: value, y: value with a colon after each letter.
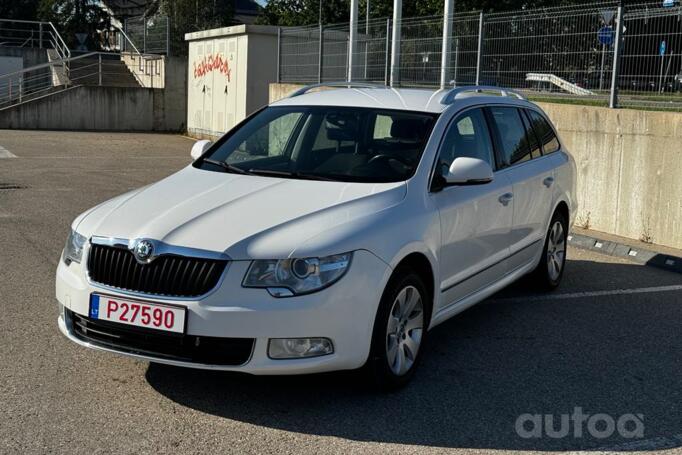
x: 399, y: 330
x: 550, y: 270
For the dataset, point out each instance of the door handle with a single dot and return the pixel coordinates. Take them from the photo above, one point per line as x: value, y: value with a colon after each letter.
x: 506, y: 198
x: 548, y: 181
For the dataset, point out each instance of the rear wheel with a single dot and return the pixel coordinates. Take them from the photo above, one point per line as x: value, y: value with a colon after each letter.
x: 550, y: 270
x: 399, y: 330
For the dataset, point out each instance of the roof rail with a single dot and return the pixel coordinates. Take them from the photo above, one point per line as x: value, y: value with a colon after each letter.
x: 307, y: 88
x: 452, y: 94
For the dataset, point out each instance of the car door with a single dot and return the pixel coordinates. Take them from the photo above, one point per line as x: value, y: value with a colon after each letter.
x: 532, y: 178
x: 475, y: 219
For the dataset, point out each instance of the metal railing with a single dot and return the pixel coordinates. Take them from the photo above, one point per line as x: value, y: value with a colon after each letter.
x: 570, y: 53
x: 18, y: 33
x: 92, y: 69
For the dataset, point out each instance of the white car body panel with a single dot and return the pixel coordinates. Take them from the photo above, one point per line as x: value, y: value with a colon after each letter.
x: 475, y: 233
x: 190, y: 207
x: 474, y: 244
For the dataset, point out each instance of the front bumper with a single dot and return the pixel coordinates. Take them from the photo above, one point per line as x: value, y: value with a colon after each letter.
x: 343, y: 312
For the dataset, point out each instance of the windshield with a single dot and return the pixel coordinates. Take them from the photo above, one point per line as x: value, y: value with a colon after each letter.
x: 324, y: 143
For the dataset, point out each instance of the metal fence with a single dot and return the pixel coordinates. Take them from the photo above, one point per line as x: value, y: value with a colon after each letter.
x: 151, y: 35
x: 568, y: 52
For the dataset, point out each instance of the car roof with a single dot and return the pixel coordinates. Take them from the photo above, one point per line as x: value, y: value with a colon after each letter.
x: 406, y: 99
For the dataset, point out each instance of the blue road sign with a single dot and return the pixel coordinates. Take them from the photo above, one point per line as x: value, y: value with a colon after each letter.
x: 661, y: 49
x: 605, y: 35
x: 668, y: 3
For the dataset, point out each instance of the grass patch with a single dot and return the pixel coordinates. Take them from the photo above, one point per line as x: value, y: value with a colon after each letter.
x: 624, y: 103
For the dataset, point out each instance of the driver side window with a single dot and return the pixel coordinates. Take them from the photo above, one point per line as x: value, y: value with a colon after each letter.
x: 467, y: 136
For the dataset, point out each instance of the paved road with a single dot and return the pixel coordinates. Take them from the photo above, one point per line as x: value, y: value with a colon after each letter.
x: 616, y: 353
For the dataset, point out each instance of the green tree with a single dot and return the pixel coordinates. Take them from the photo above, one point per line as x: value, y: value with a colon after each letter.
x: 23, y: 10
x: 75, y: 16
x: 306, y: 12
x: 188, y: 16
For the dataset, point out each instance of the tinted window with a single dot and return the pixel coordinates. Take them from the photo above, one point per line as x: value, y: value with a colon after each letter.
x: 467, y: 136
x: 532, y: 138
x: 326, y: 143
x: 513, y: 138
x: 550, y: 143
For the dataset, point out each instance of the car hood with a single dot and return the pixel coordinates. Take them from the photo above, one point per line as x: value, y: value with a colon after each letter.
x: 247, y: 217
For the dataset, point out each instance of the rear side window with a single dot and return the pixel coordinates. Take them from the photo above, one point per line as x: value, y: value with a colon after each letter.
x: 513, y: 138
x: 544, y: 131
x: 532, y: 138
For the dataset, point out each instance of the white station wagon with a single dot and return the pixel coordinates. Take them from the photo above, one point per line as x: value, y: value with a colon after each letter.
x: 328, y: 231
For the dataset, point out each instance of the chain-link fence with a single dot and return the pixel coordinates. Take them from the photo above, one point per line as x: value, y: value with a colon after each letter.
x: 150, y: 35
x: 568, y: 52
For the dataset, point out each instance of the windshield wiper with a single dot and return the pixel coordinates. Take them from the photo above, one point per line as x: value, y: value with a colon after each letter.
x: 296, y: 175
x: 227, y: 166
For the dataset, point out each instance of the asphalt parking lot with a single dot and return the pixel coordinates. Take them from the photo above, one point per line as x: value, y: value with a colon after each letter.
x: 599, y: 343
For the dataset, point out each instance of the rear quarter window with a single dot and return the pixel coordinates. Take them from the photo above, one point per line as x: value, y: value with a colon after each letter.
x: 543, y: 130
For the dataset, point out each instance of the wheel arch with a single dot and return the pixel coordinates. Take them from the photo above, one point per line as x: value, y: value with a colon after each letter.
x: 422, y: 264
x: 562, y: 207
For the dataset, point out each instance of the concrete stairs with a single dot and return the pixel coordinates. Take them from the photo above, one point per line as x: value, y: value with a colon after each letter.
x: 115, y: 73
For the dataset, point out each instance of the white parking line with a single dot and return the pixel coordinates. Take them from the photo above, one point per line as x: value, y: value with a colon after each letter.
x: 4, y: 153
x: 579, y: 295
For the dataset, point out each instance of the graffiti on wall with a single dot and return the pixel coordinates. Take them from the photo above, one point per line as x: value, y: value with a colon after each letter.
x: 216, y: 62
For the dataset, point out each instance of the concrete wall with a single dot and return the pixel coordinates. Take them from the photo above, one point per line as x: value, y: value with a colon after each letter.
x: 10, y: 64
x: 629, y: 168
x: 170, y: 104
x: 109, y: 108
x: 30, y: 56
x: 262, y: 70
x: 279, y: 91
x: 99, y: 108
x: 149, y: 73
x: 17, y: 58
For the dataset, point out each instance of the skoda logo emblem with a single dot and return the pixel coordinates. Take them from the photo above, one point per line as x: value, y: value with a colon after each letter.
x: 143, y: 250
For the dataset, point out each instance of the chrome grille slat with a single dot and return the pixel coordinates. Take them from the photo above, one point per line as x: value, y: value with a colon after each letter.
x: 168, y: 275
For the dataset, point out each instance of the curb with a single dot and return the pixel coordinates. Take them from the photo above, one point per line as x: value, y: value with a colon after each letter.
x: 635, y: 254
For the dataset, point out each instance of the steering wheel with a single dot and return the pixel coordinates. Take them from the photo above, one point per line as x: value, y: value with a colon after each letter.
x: 384, y: 157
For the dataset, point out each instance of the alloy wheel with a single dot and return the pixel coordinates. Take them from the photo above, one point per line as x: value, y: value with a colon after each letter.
x: 556, y: 250
x: 404, y: 330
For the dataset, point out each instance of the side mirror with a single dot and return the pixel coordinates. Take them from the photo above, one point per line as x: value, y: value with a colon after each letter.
x: 469, y: 171
x: 199, y: 148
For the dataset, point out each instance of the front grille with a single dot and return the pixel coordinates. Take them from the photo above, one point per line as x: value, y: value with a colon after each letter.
x: 169, y: 275
x: 164, y: 345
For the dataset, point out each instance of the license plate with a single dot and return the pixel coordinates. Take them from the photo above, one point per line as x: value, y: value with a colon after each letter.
x: 141, y: 314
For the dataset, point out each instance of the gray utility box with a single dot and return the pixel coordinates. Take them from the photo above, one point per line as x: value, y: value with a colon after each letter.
x: 230, y: 70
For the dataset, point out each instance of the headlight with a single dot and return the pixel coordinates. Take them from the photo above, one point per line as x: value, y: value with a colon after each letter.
x: 288, y: 277
x: 73, y: 250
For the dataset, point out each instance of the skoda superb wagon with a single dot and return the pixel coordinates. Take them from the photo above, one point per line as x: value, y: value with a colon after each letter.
x: 328, y: 231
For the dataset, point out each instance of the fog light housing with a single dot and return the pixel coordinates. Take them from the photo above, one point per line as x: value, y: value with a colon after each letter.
x: 298, y: 348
